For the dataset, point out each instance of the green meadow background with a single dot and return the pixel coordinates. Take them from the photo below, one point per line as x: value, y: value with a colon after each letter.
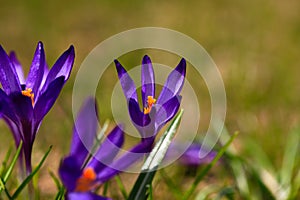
x: 255, y: 44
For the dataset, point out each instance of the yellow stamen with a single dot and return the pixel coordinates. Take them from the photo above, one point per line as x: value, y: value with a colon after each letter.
x: 28, y: 93
x: 87, y: 180
x: 150, y: 102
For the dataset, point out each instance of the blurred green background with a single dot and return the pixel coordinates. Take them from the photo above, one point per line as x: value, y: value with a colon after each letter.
x: 255, y: 44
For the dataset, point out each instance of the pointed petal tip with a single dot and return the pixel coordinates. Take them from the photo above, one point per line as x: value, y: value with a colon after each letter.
x: 181, y: 67
x: 71, y: 51
x: 40, y: 45
x: 120, y: 69
x: 12, y: 54
x: 146, y: 59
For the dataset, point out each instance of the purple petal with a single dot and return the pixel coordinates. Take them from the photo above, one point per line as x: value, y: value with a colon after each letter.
x: 127, y: 83
x: 85, y: 129
x: 22, y: 107
x: 167, y: 111
x: 174, y: 83
x: 85, y: 196
x: 136, y: 115
x: 143, y: 122
x: 36, y: 71
x: 46, y: 72
x: 8, y: 75
x: 69, y: 171
x: 18, y: 67
x: 47, y: 99
x: 108, y: 149
x: 6, y: 107
x: 148, y: 82
x: 62, y: 67
x: 129, y: 158
x: 192, y: 155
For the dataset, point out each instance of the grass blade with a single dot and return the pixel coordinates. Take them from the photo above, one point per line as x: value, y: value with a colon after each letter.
x: 13, y: 163
x: 209, y: 166
x: 28, y: 178
x: 141, y: 186
x: 290, y: 155
x: 121, y: 187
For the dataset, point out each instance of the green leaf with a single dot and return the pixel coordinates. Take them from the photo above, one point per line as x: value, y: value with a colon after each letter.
x: 208, y: 167
x: 13, y: 163
x: 5, y: 161
x: 55, y: 180
x: 28, y: 178
x: 121, y: 187
x: 141, y: 186
x: 290, y: 155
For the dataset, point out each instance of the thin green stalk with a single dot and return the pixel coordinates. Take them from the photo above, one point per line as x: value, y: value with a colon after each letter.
x: 3, y: 187
x: 105, y: 189
x: 208, y: 167
x: 28, y: 178
x: 121, y: 187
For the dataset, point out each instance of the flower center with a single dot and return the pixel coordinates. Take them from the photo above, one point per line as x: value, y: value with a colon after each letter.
x: 150, y: 102
x: 87, y: 180
x: 28, y: 93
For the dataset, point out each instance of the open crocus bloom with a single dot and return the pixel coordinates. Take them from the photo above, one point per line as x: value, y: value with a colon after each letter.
x: 156, y: 112
x: 25, y: 102
x: 81, y: 172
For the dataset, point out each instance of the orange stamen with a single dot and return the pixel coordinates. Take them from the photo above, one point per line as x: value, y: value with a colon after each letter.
x: 150, y: 102
x: 87, y: 180
x: 28, y: 93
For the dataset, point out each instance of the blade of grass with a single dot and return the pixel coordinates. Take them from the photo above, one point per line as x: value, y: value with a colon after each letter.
x: 3, y: 187
x: 236, y: 164
x: 13, y: 163
x: 28, y: 178
x: 121, y: 187
x: 150, y: 192
x: 208, y: 167
x: 5, y: 161
x: 139, y: 191
x: 55, y: 180
x: 290, y: 155
x: 295, y: 186
x: 105, y: 189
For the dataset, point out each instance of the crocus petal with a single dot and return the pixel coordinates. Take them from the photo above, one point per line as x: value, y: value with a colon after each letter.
x: 85, y: 129
x: 192, y: 155
x: 8, y: 75
x: 167, y: 111
x: 18, y: 67
x: 136, y: 115
x: 127, y: 83
x: 174, y: 83
x: 6, y: 107
x: 46, y: 72
x: 22, y: 107
x: 62, y: 67
x: 108, y: 149
x: 69, y: 172
x: 85, y: 196
x: 47, y: 99
x: 36, y: 71
x: 148, y: 82
x: 129, y: 158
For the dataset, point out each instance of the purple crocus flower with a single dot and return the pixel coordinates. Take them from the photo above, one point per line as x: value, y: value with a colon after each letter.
x: 155, y: 113
x: 25, y: 102
x: 81, y: 173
